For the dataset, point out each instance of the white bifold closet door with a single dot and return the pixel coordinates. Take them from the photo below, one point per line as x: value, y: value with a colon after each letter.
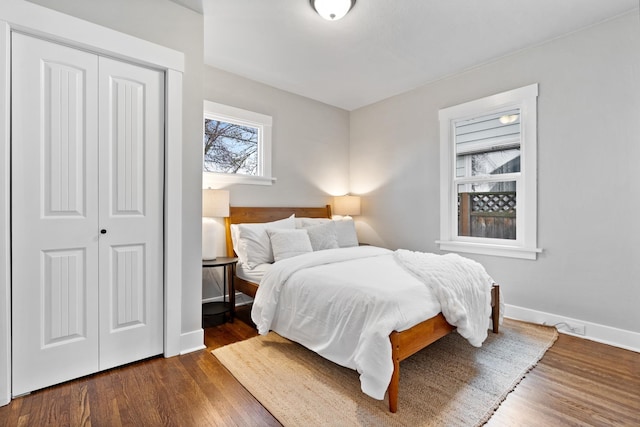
x: 86, y: 209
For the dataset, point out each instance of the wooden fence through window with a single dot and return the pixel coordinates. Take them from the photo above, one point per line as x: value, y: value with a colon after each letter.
x: 487, y: 214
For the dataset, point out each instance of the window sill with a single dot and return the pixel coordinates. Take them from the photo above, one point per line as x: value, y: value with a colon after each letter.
x: 489, y: 249
x: 214, y: 180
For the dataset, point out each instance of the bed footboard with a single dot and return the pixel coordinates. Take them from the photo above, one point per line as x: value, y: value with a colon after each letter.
x: 495, y: 308
x: 409, y: 342
x: 406, y: 343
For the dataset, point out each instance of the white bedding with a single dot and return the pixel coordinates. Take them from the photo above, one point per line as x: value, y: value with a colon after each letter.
x: 253, y: 275
x: 462, y: 286
x: 316, y: 300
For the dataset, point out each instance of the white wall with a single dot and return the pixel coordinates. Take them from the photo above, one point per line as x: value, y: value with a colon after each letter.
x: 310, y: 142
x: 588, y: 187
x: 310, y: 145
x: 588, y: 126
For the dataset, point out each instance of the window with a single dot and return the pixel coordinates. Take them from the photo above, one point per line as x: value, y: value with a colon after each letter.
x: 236, y: 145
x: 488, y: 175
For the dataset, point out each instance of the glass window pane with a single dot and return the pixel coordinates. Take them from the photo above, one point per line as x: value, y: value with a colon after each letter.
x: 230, y: 148
x: 495, y: 131
x: 488, y: 163
x: 487, y: 209
x: 489, y: 144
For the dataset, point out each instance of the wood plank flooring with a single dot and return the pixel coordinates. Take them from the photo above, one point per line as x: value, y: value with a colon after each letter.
x: 578, y: 382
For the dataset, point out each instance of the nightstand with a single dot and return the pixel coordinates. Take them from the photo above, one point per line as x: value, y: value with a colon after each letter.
x: 213, y: 309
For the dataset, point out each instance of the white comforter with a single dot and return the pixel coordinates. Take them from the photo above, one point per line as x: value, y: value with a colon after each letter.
x: 462, y: 286
x: 343, y: 304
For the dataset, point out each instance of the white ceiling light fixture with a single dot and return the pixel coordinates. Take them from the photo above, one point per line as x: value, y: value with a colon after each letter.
x: 332, y: 10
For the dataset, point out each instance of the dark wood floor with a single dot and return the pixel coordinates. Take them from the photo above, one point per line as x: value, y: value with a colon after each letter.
x: 578, y: 382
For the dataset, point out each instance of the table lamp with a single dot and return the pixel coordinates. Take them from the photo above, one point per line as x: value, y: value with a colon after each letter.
x: 346, y: 205
x: 215, y: 204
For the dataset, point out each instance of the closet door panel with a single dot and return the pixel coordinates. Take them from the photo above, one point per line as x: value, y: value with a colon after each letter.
x: 54, y: 213
x: 131, y: 206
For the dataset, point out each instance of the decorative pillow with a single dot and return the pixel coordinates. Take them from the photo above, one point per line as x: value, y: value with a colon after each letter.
x: 346, y: 231
x: 323, y: 235
x: 308, y: 222
x: 254, y: 243
x: 289, y: 243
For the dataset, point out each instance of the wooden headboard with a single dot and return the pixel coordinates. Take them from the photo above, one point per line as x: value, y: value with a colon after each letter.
x: 241, y: 215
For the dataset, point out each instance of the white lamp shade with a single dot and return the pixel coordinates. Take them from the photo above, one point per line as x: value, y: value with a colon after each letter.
x: 209, y: 239
x: 332, y: 10
x: 346, y: 205
x: 215, y: 203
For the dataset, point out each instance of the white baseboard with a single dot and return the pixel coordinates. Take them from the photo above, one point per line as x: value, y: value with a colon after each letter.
x: 192, y: 341
x: 213, y: 299
x: 241, y: 299
x: 628, y: 340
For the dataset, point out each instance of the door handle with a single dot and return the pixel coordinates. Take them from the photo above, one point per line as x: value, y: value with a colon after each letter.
x: 103, y: 231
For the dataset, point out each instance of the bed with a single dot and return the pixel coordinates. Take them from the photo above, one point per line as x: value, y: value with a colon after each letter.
x: 404, y: 342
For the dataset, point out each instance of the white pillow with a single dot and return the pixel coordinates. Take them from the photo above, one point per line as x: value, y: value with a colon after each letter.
x: 254, y: 243
x: 235, y: 239
x: 308, y: 222
x: 289, y: 243
x: 346, y: 231
x: 323, y: 236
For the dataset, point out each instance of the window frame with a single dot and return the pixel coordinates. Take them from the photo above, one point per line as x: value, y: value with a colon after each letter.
x: 525, y: 244
x: 264, y: 124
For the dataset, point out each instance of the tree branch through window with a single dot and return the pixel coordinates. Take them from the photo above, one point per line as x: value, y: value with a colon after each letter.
x: 230, y: 148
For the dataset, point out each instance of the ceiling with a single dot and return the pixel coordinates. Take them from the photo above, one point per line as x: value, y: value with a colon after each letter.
x: 382, y: 47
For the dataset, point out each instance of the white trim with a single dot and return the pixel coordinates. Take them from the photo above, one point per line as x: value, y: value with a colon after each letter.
x: 217, y: 180
x: 222, y: 298
x: 525, y: 246
x: 5, y: 226
x: 173, y: 214
x: 192, y: 341
x: 40, y: 21
x: 234, y: 113
x: 488, y: 103
x: 264, y: 123
x: 48, y: 23
x: 488, y: 249
x: 616, y: 337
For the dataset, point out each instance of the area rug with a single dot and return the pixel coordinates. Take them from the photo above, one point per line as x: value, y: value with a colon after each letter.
x: 449, y: 383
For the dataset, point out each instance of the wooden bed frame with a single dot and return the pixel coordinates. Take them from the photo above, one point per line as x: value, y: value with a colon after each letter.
x: 403, y: 344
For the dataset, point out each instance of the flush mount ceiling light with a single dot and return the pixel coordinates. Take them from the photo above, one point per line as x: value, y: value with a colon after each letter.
x: 332, y: 10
